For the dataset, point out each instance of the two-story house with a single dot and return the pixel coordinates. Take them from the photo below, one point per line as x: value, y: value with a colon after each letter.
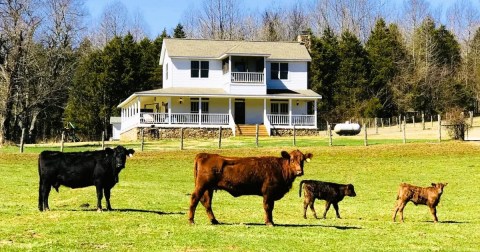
x: 212, y: 84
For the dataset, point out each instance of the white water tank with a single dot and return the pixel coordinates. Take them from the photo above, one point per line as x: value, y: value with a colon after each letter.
x: 347, y: 129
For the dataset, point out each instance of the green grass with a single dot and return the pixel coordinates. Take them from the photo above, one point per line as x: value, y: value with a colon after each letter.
x: 152, y: 199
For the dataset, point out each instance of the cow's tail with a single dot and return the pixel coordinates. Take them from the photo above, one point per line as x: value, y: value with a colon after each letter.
x: 195, y: 169
x: 300, y: 188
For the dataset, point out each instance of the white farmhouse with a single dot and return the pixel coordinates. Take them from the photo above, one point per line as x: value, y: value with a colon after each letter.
x: 209, y: 84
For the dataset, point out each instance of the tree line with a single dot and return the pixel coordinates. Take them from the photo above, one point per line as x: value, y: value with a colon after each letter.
x: 53, y: 70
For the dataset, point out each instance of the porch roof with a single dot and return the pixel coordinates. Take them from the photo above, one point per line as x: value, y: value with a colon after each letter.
x: 218, y: 92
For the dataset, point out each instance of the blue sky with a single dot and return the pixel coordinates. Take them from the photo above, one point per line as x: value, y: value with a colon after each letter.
x: 160, y: 14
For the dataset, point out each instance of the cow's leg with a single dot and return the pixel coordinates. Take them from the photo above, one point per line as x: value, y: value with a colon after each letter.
x: 44, y: 193
x: 106, y: 191
x: 327, y: 206
x: 400, y: 209
x: 194, y: 199
x: 335, y: 205
x: 306, y: 203
x: 268, y: 206
x: 312, y: 207
x: 394, y: 217
x: 40, y: 196
x: 433, y: 210
x: 99, y: 198
x: 206, y: 201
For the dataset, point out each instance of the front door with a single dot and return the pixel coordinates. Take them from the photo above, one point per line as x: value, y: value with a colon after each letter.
x: 240, y: 111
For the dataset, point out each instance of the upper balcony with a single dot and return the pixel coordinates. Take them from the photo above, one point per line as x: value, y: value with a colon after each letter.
x: 244, y: 75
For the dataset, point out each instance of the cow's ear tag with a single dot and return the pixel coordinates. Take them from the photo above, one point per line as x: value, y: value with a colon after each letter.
x: 130, y: 155
x: 308, y: 160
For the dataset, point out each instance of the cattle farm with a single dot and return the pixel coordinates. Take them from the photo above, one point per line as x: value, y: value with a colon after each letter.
x: 151, y: 200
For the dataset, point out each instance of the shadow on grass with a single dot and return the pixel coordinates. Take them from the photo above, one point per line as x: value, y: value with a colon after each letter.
x: 295, y: 225
x: 449, y: 222
x: 125, y: 210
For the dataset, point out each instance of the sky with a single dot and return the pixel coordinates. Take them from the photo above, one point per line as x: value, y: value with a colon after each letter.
x: 160, y: 14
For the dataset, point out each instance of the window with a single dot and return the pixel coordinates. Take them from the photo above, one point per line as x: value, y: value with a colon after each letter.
x: 225, y: 65
x: 279, y: 107
x: 194, y: 105
x: 279, y: 71
x: 199, y: 69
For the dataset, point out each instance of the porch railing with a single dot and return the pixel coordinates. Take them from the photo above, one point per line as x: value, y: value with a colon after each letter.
x: 247, y: 77
x: 183, y: 118
x: 300, y: 120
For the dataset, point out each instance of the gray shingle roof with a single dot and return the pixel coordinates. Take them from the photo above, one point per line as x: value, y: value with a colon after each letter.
x: 198, y: 48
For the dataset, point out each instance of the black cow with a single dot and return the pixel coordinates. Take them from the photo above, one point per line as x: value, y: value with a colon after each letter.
x: 332, y: 193
x: 80, y: 169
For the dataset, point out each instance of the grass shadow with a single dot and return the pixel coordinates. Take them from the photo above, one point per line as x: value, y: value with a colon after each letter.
x: 127, y: 210
x: 449, y: 222
x: 295, y: 225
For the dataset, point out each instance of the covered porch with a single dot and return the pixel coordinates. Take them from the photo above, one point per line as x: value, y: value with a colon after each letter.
x: 182, y: 109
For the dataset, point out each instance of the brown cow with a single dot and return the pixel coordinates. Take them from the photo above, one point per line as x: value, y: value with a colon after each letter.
x: 429, y: 196
x: 270, y: 177
x: 332, y: 193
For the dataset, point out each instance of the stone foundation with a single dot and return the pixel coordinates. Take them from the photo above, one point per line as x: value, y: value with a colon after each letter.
x: 171, y: 133
x: 298, y: 132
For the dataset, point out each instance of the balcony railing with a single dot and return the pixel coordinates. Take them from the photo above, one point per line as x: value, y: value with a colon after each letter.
x: 298, y: 120
x: 247, y: 77
x: 184, y: 118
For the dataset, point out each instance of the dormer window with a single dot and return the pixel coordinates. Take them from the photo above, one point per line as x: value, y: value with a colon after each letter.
x: 199, y: 69
x: 279, y: 71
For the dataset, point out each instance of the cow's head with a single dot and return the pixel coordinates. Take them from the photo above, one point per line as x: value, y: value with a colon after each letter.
x: 439, y: 187
x: 350, y: 191
x: 119, y: 155
x: 296, y: 159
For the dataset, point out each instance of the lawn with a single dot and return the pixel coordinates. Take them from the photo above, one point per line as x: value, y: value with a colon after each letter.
x: 152, y: 200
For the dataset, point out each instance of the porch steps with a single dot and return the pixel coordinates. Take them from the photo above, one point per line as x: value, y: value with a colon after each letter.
x: 250, y: 130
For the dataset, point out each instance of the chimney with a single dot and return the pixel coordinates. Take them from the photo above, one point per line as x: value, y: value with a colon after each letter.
x: 305, y: 39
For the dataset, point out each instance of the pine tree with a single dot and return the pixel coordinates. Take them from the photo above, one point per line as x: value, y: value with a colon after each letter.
x: 178, y: 32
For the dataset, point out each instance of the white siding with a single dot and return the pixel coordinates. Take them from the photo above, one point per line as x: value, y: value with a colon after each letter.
x: 167, y: 61
x: 252, y: 89
x: 181, y: 74
x: 254, y: 111
x: 297, y: 77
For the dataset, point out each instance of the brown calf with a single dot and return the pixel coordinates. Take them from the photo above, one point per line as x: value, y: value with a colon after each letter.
x: 332, y: 193
x: 429, y: 196
x: 269, y: 177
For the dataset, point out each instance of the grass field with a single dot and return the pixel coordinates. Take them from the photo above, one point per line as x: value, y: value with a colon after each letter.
x: 152, y: 199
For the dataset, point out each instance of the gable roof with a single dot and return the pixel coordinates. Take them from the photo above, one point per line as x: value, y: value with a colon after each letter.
x: 218, y: 49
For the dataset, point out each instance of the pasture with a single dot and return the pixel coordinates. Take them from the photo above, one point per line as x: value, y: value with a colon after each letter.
x: 152, y: 199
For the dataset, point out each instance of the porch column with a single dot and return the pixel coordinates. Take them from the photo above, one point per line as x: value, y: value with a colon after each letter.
x: 315, y: 112
x: 290, y: 112
x: 200, y: 110
x: 169, y: 103
x: 264, y: 110
x: 229, y: 111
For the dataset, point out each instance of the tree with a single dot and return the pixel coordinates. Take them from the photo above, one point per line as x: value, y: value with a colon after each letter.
x: 323, y: 71
x: 387, y: 55
x: 178, y: 31
x: 350, y: 94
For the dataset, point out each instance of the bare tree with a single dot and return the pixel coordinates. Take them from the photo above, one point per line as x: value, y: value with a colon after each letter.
x: 297, y: 21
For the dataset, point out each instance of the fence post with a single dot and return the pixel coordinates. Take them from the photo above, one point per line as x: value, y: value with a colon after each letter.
x: 63, y: 140
x: 471, y: 118
x: 220, y: 137
x: 404, y: 133
x: 365, y: 140
x: 181, y: 139
x: 413, y: 120
x: 389, y: 122
x: 143, y: 139
x: 256, y: 134
x: 294, y: 136
x: 103, y: 140
x: 399, y: 122
x: 329, y: 130
x: 376, y: 125
x: 439, y: 128
x: 423, y: 121
x: 381, y: 120
x: 22, y: 140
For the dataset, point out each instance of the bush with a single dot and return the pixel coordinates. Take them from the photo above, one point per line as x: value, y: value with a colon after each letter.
x: 456, y: 124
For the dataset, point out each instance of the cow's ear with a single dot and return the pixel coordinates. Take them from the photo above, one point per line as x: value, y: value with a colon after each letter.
x: 285, y: 155
x: 434, y: 185
x: 308, y: 157
x: 130, y: 152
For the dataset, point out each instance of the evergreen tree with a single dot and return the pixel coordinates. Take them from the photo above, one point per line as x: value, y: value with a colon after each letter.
x: 387, y: 55
x: 178, y: 32
x: 351, y: 96
x: 323, y: 70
